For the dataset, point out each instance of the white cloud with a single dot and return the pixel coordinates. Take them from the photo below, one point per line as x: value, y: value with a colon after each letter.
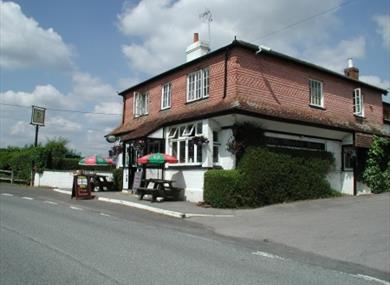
x: 335, y: 57
x: 376, y: 81
x: 20, y: 129
x: 383, y: 29
x: 65, y: 125
x: 42, y: 95
x: 164, y: 43
x: 24, y: 44
x: 88, y: 94
x: 89, y: 88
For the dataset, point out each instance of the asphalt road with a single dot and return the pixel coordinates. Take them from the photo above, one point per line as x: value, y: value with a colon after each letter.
x: 48, y: 239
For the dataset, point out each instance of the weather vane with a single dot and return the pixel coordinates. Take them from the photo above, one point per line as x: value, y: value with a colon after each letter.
x: 206, y: 16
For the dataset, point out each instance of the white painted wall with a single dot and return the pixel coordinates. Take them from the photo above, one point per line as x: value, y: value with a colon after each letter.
x: 125, y: 180
x: 60, y: 179
x: 226, y: 159
x: 191, y: 180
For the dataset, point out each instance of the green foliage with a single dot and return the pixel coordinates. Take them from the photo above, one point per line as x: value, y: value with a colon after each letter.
x: 268, y: 176
x: 377, y: 171
x: 278, y: 176
x: 20, y: 160
x: 225, y: 189
x: 53, y: 155
x: 244, y: 135
x: 55, y: 148
x: 118, y: 178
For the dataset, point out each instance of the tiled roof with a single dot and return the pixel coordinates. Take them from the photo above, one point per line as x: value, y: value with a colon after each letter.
x: 255, y: 49
x: 134, y: 129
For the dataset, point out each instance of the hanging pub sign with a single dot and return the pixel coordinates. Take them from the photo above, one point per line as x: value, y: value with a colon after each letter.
x: 38, y: 116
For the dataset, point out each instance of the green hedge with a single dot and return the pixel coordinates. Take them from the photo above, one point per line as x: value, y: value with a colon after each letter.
x: 268, y: 176
x: 223, y: 189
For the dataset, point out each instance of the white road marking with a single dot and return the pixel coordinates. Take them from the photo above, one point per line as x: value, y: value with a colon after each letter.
x: 7, y: 194
x: 105, y: 215
x: 269, y: 255
x: 27, y: 198
x: 76, y: 208
x: 50, y: 202
x: 369, y: 278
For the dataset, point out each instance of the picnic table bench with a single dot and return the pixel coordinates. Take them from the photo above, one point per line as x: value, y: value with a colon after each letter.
x: 159, y: 188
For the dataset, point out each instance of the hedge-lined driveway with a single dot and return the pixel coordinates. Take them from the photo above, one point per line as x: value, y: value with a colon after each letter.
x: 350, y: 229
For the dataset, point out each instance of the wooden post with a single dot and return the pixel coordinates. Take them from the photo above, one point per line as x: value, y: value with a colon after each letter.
x: 12, y: 176
x: 33, y: 162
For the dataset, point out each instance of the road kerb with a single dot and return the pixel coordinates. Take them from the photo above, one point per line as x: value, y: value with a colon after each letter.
x: 62, y: 191
x: 144, y: 207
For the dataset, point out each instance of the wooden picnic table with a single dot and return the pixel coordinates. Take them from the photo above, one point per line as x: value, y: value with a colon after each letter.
x: 159, y: 188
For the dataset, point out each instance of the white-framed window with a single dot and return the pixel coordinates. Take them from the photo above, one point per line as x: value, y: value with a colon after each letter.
x: 358, y: 102
x: 181, y: 143
x: 198, y: 85
x: 166, y: 92
x: 216, y: 146
x: 316, y: 93
x: 141, y: 101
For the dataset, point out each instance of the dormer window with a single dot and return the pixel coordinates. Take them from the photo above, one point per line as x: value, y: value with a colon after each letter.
x: 198, y: 85
x: 358, y: 102
x: 141, y: 104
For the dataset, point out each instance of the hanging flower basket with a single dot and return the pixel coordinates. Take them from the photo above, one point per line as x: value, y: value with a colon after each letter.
x: 200, y: 140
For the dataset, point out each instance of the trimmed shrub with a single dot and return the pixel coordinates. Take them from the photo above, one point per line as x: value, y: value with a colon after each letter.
x: 118, y: 179
x: 224, y: 189
x: 268, y: 176
x: 282, y: 175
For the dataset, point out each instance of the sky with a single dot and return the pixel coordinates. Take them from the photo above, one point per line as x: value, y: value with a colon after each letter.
x: 73, y: 57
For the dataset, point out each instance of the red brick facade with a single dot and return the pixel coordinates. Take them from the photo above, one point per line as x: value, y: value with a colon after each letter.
x: 262, y: 84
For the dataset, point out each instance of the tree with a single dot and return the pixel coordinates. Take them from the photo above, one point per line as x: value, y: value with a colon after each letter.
x: 377, y: 172
x: 55, y: 148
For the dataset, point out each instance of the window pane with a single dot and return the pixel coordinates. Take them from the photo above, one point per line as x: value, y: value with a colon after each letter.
x: 205, y: 82
x: 198, y: 153
x: 169, y: 95
x: 182, y: 145
x: 182, y: 129
x: 215, y: 136
x: 215, y: 154
x: 191, y: 151
x: 199, y: 130
x: 191, y: 87
x: 198, y: 86
x: 174, y: 149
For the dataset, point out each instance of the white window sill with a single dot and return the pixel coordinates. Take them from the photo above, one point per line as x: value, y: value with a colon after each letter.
x: 361, y: 116
x: 317, y: 106
x: 197, y: 99
x: 143, y: 115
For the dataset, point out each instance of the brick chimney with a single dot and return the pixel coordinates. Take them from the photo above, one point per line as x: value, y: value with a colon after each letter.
x: 351, y: 71
x: 197, y: 48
